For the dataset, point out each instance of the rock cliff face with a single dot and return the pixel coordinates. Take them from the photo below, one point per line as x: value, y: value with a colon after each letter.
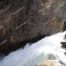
x: 25, y: 20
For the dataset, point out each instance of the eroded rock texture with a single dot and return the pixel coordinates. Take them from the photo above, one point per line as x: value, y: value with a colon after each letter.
x: 25, y: 20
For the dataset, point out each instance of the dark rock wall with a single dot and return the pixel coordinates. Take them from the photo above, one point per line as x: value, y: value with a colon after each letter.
x: 25, y: 20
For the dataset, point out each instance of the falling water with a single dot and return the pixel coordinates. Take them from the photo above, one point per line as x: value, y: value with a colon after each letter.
x: 46, y: 49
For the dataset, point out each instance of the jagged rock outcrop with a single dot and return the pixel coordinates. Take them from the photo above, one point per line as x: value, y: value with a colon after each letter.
x: 25, y: 20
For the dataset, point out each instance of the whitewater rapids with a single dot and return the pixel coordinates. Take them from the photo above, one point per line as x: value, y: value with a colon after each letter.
x: 48, y: 48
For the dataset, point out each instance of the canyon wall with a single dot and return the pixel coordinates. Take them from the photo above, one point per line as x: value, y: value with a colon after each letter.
x: 23, y: 21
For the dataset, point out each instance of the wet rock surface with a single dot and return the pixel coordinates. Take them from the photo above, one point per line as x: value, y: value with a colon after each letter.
x: 23, y: 21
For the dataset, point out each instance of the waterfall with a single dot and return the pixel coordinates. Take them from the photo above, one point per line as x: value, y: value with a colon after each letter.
x: 43, y: 51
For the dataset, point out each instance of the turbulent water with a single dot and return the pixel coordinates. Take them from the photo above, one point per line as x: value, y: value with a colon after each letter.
x: 48, y: 48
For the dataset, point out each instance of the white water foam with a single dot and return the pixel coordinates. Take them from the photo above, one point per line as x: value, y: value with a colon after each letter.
x: 37, y: 52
